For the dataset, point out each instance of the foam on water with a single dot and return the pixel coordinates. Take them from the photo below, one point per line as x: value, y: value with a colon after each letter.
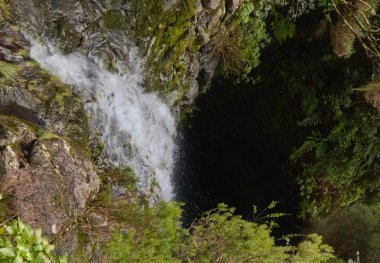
x: 137, y: 128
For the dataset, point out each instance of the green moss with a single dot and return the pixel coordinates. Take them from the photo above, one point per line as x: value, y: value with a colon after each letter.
x: 12, y: 123
x: 97, y: 151
x: 49, y: 89
x: 31, y: 63
x: 5, y: 211
x: 46, y: 135
x: 153, y: 186
x: 165, y: 39
x: 104, y: 196
x: 79, y: 255
x: 23, y: 53
x: 60, y: 99
x: 61, y: 91
x: 5, y: 10
x: 187, y: 113
x: 58, y: 200
x: 114, y: 20
x: 34, y: 87
x: 124, y: 177
x: 8, y: 72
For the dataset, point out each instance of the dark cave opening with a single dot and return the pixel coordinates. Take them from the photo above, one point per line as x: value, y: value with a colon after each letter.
x: 235, y: 150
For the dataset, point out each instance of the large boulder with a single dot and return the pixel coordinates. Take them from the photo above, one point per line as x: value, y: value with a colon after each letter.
x: 46, y: 171
x: 47, y: 181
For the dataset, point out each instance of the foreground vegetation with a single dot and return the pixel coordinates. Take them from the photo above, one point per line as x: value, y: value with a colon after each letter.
x: 137, y: 232
x: 155, y: 234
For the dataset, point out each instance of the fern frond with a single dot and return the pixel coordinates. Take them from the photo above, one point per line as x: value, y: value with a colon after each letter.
x: 311, y: 120
x: 337, y: 132
x: 306, y: 147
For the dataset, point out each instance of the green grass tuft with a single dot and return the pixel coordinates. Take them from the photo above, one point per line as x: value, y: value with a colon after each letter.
x: 8, y: 71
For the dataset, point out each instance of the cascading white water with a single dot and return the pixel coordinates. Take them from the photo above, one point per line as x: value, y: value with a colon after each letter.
x: 137, y: 129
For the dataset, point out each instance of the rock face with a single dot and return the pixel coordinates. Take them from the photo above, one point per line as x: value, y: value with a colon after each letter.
x: 175, y: 37
x: 49, y: 183
x: 212, y: 4
x: 46, y: 171
x: 232, y: 5
x: 32, y: 94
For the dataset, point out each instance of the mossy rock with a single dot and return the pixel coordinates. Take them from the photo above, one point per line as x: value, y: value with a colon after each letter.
x: 166, y: 39
x: 8, y: 72
x: 114, y: 20
x: 65, y: 35
x: 60, y: 101
x: 5, y: 10
x: 3, y: 130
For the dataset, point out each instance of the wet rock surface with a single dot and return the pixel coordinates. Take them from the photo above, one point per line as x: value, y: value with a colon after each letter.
x: 32, y: 94
x: 177, y: 40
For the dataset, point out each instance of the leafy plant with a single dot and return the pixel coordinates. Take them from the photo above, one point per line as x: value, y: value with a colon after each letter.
x: 155, y: 235
x: 20, y: 243
x: 340, y: 164
x: 222, y: 236
x: 151, y: 234
x: 352, y: 229
x: 240, y: 54
x: 283, y: 28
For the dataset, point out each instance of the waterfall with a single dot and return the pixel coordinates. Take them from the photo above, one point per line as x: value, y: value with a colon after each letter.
x: 136, y: 128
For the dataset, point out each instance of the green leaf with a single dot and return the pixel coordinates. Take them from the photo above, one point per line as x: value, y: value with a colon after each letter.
x: 19, y: 259
x: 38, y: 248
x: 7, y: 252
x: 63, y: 259
x: 272, y: 204
x: 9, y: 230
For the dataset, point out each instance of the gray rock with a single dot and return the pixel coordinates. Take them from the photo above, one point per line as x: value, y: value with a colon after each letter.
x: 167, y: 4
x: 211, y: 4
x: 198, y: 6
x: 204, y: 37
x: 232, y: 5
